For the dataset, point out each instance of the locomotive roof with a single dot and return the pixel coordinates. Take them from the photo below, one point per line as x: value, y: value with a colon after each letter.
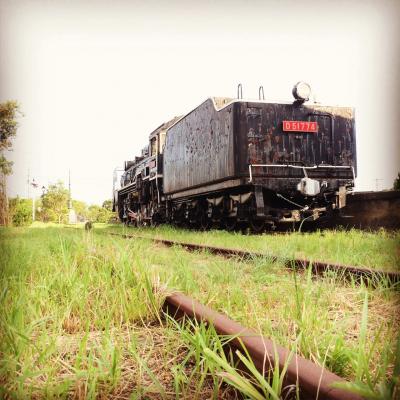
x: 222, y: 102
x: 165, y: 126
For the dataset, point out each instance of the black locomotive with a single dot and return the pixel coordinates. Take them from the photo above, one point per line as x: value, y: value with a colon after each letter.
x: 237, y: 162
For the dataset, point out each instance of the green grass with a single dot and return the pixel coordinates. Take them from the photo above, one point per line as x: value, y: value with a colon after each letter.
x: 379, y: 249
x: 81, y: 317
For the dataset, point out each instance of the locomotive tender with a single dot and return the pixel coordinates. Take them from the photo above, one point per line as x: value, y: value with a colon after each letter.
x: 242, y: 162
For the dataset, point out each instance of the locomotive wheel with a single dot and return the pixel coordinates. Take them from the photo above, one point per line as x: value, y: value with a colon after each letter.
x: 139, y: 220
x: 181, y: 223
x: 257, y: 225
x: 205, y: 222
x: 155, y: 220
x: 121, y: 214
x: 178, y: 220
x: 230, y: 223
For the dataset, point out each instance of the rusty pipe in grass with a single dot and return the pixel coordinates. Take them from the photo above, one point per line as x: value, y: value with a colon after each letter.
x: 314, y: 381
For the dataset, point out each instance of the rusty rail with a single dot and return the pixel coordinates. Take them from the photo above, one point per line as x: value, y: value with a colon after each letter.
x: 314, y: 381
x: 317, y: 267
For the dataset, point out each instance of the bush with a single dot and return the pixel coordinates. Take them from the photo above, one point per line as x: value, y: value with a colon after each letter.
x: 100, y: 214
x: 396, y: 184
x: 20, y: 211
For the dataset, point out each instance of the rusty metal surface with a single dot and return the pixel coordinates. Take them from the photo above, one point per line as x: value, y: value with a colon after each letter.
x: 210, y: 145
x: 369, y: 210
x: 199, y: 148
x: 211, y: 188
x: 385, y: 195
x: 317, y: 267
x: 314, y: 382
x: 264, y: 141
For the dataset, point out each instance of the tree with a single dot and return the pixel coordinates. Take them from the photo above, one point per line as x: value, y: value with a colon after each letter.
x: 100, y: 214
x: 20, y: 211
x: 8, y: 129
x: 396, y: 184
x: 107, y: 204
x: 55, y: 203
x: 81, y: 210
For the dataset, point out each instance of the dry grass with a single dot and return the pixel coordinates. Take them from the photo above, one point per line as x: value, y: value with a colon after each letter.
x: 81, y: 319
x: 142, y: 348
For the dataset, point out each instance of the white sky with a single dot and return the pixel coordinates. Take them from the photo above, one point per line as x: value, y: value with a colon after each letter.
x: 94, y: 78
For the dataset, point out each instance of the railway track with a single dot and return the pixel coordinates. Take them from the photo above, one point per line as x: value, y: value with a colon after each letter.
x: 312, y: 380
x: 367, y: 275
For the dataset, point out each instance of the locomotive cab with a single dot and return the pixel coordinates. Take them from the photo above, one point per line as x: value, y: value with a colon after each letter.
x: 139, y: 200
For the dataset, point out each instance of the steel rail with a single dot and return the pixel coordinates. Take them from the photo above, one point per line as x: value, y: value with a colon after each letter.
x: 317, y: 267
x: 314, y: 381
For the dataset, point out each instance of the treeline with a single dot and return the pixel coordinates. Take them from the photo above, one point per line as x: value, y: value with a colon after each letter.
x: 52, y: 206
x: 9, y: 111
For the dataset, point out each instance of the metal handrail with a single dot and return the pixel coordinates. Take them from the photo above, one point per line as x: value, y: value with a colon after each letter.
x: 239, y: 91
x: 261, y: 91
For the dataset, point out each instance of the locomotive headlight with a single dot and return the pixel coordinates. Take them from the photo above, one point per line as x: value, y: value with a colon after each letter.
x: 301, y: 91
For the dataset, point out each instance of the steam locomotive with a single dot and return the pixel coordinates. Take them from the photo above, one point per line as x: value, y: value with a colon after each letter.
x: 237, y: 162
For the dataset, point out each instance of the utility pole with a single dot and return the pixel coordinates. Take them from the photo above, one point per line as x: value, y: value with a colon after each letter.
x: 28, y: 181
x: 71, y: 211
x: 34, y: 186
x: 69, y: 190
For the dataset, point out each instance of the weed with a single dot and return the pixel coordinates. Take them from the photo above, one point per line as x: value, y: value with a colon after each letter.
x: 81, y: 314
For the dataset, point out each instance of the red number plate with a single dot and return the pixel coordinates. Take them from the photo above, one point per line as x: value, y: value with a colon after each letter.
x: 300, y: 126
